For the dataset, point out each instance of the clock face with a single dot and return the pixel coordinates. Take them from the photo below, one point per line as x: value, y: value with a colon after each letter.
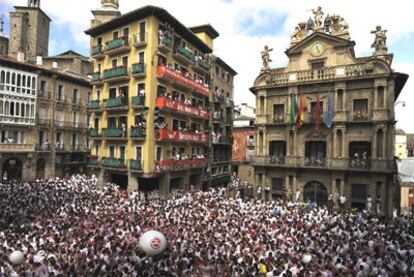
x: 317, y: 49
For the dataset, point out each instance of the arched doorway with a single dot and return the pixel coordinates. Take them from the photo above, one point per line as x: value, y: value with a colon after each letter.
x: 316, y: 192
x: 40, y: 169
x: 12, y: 168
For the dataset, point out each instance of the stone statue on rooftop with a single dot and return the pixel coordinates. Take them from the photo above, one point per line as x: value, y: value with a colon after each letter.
x: 318, y: 18
x: 266, y: 58
x: 380, y: 42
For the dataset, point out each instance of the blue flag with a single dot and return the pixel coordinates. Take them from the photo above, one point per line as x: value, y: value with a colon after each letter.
x: 329, y: 115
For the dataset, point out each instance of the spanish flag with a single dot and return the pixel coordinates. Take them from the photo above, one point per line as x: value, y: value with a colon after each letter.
x: 301, y: 112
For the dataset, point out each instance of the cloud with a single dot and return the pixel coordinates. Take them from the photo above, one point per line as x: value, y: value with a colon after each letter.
x: 245, y: 26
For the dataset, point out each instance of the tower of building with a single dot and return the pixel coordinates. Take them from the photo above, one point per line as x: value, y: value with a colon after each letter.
x: 107, y: 12
x: 29, y: 31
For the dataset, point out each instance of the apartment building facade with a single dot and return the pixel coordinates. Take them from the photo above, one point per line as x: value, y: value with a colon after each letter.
x: 150, y: 106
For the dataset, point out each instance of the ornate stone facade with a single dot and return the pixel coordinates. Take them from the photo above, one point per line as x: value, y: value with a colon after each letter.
x: 353, y: 157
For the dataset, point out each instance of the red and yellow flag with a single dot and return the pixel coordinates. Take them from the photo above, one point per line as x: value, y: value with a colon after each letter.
x: 301, y: 111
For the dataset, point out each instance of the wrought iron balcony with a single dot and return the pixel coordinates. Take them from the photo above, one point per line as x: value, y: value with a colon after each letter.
x: 96, y: 77
x: 94, y: 104
x: 116, y: 102
x: 187, y: 54
x: 97, y: 51
x: 116, y: 72
x: 135, y: 165
x: 112, y: 133
x: 138, y: 69
x: 138, y: 101
x: 113, y: 162
x: 116, y: 46
x: 93, y: 161
x: 137, y: 132
x: 94, y: 132
x: 165, y: 44
x: 203, y: 65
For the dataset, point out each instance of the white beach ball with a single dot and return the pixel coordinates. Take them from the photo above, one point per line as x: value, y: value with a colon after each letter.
x: 16, y: 257
x: 152, y: 243
x: 306, y: 258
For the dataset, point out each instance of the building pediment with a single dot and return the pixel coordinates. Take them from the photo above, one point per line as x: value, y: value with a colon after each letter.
x: 333, y: 41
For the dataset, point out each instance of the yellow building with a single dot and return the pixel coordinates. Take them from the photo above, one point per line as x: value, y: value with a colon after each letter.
x: 150, y: 106
x: 401, y: 144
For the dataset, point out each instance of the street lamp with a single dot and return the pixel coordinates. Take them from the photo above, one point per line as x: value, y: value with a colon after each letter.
x: 400, y: 102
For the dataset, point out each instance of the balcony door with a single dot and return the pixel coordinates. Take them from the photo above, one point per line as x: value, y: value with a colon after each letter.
x: 315, y: 192
x: 359, y: 154
x: 315, y: 153
x: 122, y: 152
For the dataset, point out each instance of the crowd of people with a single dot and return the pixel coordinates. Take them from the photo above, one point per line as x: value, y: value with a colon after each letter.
x: 71, y: 227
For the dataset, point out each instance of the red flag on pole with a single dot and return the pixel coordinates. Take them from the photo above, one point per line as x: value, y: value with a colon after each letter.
x: 317, y: 115
x: 301, y: 112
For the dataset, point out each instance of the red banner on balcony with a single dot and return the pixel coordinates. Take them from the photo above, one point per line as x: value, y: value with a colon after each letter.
x: 168, y: 165
x: 166, y: 134
x: 165, y: 103
x: 179, y: 77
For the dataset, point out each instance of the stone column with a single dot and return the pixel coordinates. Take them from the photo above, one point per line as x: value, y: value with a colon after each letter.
x: 375, y: 97
x: 334, y: 147
x: 343, y: 99
x: 342, y: 190
x: 345, y: 147
x: 295, y: 186
x: 288, y: 142
x: 384, y: 144
x: 384, y: 103
x: 374, y: 149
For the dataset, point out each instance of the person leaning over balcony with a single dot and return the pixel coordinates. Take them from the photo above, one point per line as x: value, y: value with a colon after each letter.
x: 124, y: 130
x: 161, y: 36
x: 141, y: 92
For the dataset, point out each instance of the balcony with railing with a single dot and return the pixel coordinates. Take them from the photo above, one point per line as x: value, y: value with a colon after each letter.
x: 138, y: 101
x: 43, y: 95
x: 139, y: 70
x: 176, y: 106
x: 60, y: 99
x: 279, y: 118
x: 137, y: 133
x: 135, y: 165
x: 165, y: 44
x: 140, y: 39
x: 117, y: 103
x: 326, y: 73
x: 184, y: 55
x: 201, y: 66
x: 113, y: 133
x: 96, y: 78
x: 14, y: 120
x: 361, y: 116
x: 76, y: 101
x: 60, y: 147
x: 94, y: 133
x: 97, y: 52
x: 16, y: 147
x: 117, y: 46
x: 94, y: 105
x: 113, y: 163
x: 93, y: 161
x: 171, y: 135
x: 116, y: 74
x: 177, y: 165
x: 43, y: 147
x: 354, y: 164
x: 170, y: 75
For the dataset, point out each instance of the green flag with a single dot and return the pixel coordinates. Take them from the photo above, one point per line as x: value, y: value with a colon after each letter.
x: 293, y: 109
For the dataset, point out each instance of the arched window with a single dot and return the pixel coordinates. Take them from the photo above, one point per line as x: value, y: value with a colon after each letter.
x: 32, y: 110
x: 28, y: 82
x: 22, y: 109
x: 13, y: 82
x: 27, y: 110
x: 8, y: 80
x: 33, y: 85
x: 11, y: 108
x: 1, y: 107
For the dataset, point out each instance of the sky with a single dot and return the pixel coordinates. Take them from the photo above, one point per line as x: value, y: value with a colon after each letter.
x: 245, y: 26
